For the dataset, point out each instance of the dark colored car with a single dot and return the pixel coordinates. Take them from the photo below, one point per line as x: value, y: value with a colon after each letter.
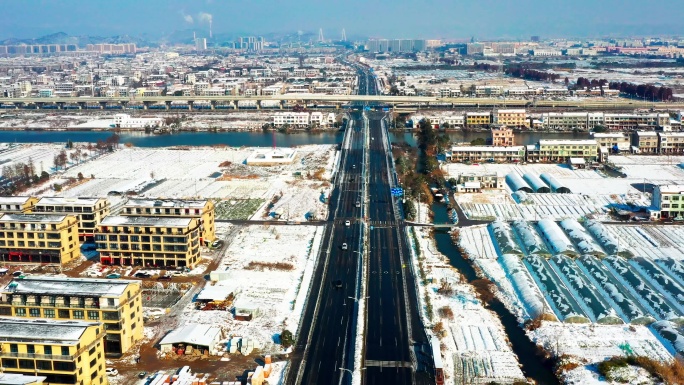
x: 337, y: 284
x: 164, y: 277
x: 142, y: 275
x: 142, y: 374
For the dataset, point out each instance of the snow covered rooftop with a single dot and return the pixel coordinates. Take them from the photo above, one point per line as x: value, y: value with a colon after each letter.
x: 38, y: 218
x: 42, y: 330
x: 671, y: 188
x: 181, y: 203
x: 113, y: 220
x: 13, y: 200
x: 271, y: 156
x: 20, y: 379
x: 203, y: 335
x: 215, y: 293
x: 488, y: 148
x: 68, y: 286
x: 68, y: 201
x: 565, y: 142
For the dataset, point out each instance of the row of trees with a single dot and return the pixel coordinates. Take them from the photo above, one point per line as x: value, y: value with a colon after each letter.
x: 646, y: 91
x: 530, y: 74
x: 593, y: 83
x: 19, y: 176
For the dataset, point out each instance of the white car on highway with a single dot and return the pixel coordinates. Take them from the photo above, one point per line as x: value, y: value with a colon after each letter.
x: 347, y: 223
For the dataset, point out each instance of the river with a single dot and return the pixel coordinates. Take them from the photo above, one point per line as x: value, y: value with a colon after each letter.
x: 242, y: 138
x: 532, y: 365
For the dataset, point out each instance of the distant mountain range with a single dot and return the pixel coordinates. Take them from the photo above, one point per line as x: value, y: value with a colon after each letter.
x: 63, y: 38
x: 176, y: 37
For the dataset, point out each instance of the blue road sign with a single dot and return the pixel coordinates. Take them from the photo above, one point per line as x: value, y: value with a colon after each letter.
x: 366, y: 108
x: 397, y: 191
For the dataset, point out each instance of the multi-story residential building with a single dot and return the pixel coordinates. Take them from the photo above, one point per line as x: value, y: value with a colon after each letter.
x: 668, y: 202
x: 645, y: 141
x: 485, y: 180
x: 65, y: 352
x: 202, y: 210
x: 488, y: 90
x: 583, y: 121
x: 149, y: 241
x: 613, y: 140
x: 89, y: 211
x: 511, y: 118
x: 635, y: 121
x: 17, y: 205
x: 117, y: 304
x: 560, y: 151
x: 671, y: 142
x: 502, y: 136
x: 297, y: 119
x: 478, y: 119
x: 512, y: 154
x: 38, y: 238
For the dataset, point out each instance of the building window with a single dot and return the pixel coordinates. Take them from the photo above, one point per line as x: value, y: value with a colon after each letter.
x: 49, y: 313
x: 34, y: 312
x: 78, y: 314
x: 14, y: 348
x: 30, y: 349
x: 47, y: 350
x: 110, y: 301
x: 64, y: 314
x: 65, y: 350
x: 93, y: 315
x: 20, y: 312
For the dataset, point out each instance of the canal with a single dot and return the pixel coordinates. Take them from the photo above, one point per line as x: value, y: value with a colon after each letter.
x: 533, y: 366
x: 244, y: 138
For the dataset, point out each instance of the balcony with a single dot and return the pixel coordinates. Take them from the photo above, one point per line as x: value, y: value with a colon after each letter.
x: 52, y: 357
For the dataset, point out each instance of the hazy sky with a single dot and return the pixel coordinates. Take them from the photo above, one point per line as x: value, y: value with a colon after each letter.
x: 375, y: 18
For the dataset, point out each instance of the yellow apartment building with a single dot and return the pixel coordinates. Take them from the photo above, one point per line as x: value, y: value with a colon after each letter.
x: 200, y: 209
x: 511, y: 117
x: 149, y: 241
x: 477, y: 119
x: 38, y: 238
x: 17, y: 205
x: 65, y: 352
x: 117, y: 304
x: 89, y: 211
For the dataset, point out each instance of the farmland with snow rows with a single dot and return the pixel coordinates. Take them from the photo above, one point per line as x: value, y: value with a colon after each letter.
x: 663, y: 282
x: 562, y: 301
x: 579, y: 236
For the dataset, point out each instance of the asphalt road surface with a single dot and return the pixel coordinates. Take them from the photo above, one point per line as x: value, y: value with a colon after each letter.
x: 326, y: 338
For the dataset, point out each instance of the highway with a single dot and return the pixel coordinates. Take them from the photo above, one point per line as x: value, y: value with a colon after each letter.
x: 325, y: 341
x: 397, y: 349
x: 342, y: 100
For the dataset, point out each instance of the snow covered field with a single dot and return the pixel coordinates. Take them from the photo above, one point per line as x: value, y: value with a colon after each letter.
x: 591, y: 344
x: 593, y: 192
x: 42, y: 155
x: 217, y: 173
x: 571, y: 269
x: 473, y: 343
x: 278, y: 293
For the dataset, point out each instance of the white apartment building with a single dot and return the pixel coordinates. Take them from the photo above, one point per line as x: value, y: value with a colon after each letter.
x: 489, y: 90
x: 125, y: 121
x: 613, y: 140
x: 570, y: 120
x: 635, y: 121
x: 296, y: 119
x: 321, y: 119
x: 671, y: 142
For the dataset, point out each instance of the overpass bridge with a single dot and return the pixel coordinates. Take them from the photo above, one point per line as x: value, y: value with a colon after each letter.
x: 281, y: 101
